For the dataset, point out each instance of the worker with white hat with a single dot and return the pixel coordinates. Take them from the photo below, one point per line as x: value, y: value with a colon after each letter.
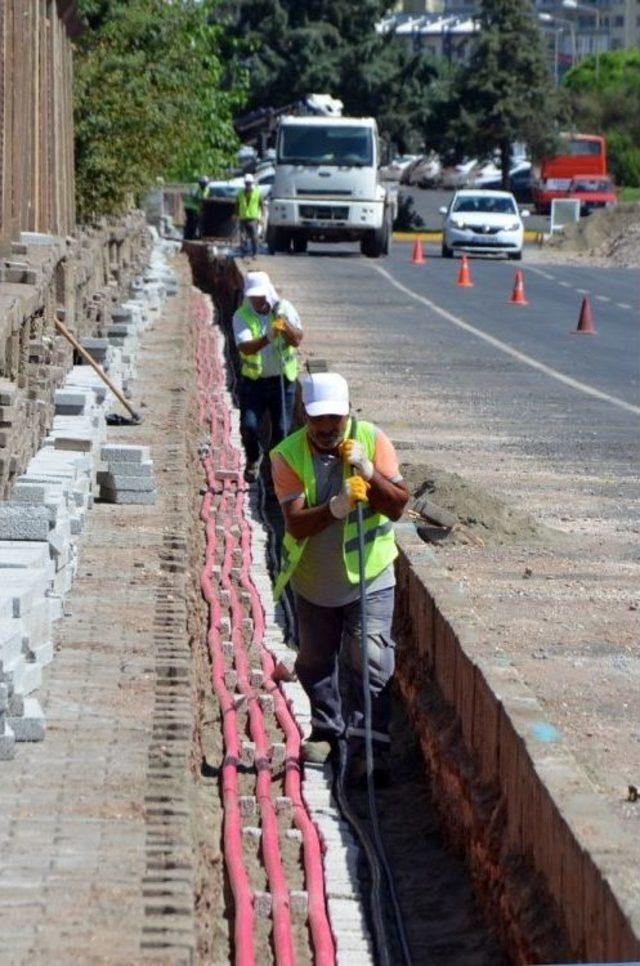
x: 267, y: 331
x: 249, y: 212
x: 320, y: 472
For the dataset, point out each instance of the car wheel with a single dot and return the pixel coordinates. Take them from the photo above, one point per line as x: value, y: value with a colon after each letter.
x: 446, y: 251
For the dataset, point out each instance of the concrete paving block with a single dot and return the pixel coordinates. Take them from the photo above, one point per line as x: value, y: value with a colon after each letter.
x: 42, y: 654
x: 76, y: 442
x: 121, y: 453
x: 262, y: 904
x: 26, y: 587
x: 19, y: 522
x: 11, y: 639
x: 4, y: 698
x: 31, y: 726
x: 123, y: 469
x: 72, y: 402
x: 118, y: 482
x: 133, y: 497
x: 7, y: 742
x: 27, y: 677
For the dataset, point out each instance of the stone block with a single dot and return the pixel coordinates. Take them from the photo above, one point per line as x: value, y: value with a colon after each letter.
x: 31, y: 726
x: 11, y: 639
x: 124, y: 469
x: 121, y: 453
x: 127, y: 483
x: 7, y: 742
x: 133, y: 497
x: 25, y: 587
x: 18, y: 522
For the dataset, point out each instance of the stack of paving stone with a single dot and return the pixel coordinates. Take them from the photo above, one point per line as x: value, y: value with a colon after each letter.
x: 127, y: 476
x: 40, y: 525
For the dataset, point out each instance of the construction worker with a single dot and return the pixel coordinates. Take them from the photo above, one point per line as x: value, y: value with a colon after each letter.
x: 267, y: 331
x: 193, y: 208
x: 249, y: 212
x: 312, y: 475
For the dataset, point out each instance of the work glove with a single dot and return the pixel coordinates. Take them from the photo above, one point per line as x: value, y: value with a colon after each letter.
x: 354, y: 454
x: 354, y: 490
x: 278, y: 327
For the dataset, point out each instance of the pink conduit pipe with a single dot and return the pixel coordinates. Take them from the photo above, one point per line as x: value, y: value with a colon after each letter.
x: 232, y: 834
x: 321, y: 934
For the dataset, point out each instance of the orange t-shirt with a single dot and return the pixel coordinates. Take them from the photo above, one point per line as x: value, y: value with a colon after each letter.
x: 288, y: 485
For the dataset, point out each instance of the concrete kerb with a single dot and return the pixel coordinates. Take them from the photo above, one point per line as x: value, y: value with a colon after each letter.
x: 554, y: 817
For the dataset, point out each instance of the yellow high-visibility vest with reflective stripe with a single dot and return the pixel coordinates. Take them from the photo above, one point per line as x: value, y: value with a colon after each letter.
x: 252, y: 365
x: 379, y: 539
x: 249, y: 205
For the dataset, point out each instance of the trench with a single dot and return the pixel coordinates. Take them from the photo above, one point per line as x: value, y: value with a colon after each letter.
x: 452, y: 900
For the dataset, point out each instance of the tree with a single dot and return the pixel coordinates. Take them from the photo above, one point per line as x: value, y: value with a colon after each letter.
x: 505, y: 92
x: 152, y: 98
x: 293, y: 48
x: 608, y: 101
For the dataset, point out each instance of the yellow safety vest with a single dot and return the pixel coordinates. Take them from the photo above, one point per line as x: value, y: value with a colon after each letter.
x: 379, y: 539
x: 252, y: 365
x: 249, y: 205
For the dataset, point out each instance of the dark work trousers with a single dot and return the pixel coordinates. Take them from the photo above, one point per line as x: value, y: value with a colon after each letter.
x: 249, y: 236
x: 330, y: 645
x: 258, y: 397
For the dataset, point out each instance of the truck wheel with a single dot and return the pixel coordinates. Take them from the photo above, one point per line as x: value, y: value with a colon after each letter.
x: 376, y: 242
x: 278, y: 240
x: 446, y: 251
x: 300, y: 244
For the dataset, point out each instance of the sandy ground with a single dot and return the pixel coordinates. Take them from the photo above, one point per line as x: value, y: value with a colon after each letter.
x: 561, y: 602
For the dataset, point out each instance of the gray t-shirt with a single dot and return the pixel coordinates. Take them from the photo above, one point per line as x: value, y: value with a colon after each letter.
x: 271, y: 353
x: 323, y: 552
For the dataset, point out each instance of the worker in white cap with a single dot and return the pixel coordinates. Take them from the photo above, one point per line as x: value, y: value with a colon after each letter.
x: 267, y: 331
x: 320, y: 472
x: 249, y: 213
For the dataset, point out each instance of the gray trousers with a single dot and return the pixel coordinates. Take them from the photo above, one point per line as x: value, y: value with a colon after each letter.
x: 329, y: 640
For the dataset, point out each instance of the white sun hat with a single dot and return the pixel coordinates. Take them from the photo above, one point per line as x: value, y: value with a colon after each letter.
x: 249, y: 179
x: 325, y: 394
x: 259, y: 285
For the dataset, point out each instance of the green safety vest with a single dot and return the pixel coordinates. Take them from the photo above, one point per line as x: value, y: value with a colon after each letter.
x: 252, y: 365
x: 193, y: 201
x: 249, y: 205
x: 379, y: 540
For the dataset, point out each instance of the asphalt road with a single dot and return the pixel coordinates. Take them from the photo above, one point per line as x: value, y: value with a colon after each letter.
x: 522, y: 371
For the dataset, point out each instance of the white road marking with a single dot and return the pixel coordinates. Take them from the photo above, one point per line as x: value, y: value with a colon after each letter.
x: 603, y: 298
x: 565, y: 284
x: 507, y: 349
x: 582, y: 291
x: 623, y: 305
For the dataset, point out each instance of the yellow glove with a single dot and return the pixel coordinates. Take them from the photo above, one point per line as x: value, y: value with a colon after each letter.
x: 354, y: 454
x: 278, y: 327
x: 354, y: 490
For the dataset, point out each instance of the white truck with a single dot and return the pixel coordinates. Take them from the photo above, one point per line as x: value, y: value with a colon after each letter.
x: 327, y: 186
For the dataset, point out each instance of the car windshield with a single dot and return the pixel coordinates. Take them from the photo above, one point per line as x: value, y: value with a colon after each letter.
x: 339, y: 145
x: 591, y: 184
x: 483, y: 205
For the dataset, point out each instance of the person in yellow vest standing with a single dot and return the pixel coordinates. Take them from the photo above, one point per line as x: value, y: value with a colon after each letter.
x: 320, y: 472
x: 249, y: 212
x: 267, y: 332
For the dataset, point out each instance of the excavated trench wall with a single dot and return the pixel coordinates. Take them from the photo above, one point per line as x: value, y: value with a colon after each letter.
x: 513, y: 801
x: 86, y: 276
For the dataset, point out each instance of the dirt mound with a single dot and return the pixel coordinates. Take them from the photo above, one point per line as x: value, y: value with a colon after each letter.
x: 611, y: 235
x: 478, y: 513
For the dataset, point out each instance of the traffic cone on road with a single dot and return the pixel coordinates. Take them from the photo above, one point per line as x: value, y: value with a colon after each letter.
x: 418, y: 255
x: 585, y: 322
x: 464, y: 275
x: 518, y: 296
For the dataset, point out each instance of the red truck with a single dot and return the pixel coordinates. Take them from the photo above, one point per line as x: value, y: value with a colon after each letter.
x: 584, y: 156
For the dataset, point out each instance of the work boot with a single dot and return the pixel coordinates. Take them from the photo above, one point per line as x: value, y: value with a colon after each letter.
x: 318, y: 748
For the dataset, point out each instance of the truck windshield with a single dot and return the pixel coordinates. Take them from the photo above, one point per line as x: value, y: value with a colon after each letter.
x: 339, y: 145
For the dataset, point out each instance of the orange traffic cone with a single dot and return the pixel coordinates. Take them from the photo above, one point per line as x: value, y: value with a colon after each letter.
x: 418, y: 255
x: 518, y: 296
x: 464, y: 275
x: 585, y: 322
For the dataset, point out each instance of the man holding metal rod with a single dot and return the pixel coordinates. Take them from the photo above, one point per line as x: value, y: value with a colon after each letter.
x: 320, y: 474
x: 267, y: 331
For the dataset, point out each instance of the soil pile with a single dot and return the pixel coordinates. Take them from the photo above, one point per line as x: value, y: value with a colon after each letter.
x: 612, y: 235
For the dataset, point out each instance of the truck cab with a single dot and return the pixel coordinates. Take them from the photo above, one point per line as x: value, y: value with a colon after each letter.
x: 327, y: 186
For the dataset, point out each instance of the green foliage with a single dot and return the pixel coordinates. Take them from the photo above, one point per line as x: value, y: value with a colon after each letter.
x: 504, y: 93
x: 607, y: 100
x: 293, y: 48
x: 152, y: 99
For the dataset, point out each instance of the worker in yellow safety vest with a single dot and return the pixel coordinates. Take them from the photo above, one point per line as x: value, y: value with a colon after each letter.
x: 192, y: 203
x: 249, y: 213
x: 312, y: 475
x: 267, y: 332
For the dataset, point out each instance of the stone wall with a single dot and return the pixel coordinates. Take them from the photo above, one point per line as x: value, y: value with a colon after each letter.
x: 86, y: 276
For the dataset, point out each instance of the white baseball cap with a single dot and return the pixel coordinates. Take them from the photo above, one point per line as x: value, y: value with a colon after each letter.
x: 326, y: 394
x: 249, y: 179
x: 259, y: 285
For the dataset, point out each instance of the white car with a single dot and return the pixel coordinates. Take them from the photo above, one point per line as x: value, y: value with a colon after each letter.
x: 483, y: 221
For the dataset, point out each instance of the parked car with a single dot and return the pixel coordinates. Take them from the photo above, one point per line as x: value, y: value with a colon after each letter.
x: 593, y: 193
x: 457, y: 175
x: 519, y: 181
x: 483, y: 221
x: 407, y: 171
x: 399, y: 164
x: 229, y: 189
